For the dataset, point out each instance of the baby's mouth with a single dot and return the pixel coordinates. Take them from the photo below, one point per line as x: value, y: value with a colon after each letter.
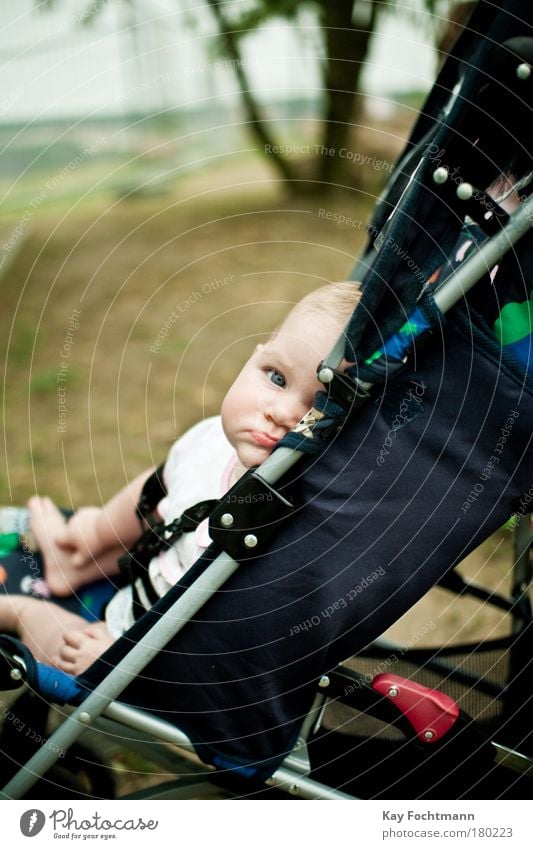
x: 264, y: 440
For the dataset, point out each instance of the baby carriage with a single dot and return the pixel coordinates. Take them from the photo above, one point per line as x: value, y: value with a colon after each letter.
x: 407, y: 462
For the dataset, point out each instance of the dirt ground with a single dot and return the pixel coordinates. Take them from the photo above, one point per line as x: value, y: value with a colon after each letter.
x: 124, y: 324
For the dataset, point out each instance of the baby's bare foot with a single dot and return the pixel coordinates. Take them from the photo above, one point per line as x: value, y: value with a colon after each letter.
x: 81, y: 648
x: 65, y: 568
x: 40, y: 624
x: 46, y: 522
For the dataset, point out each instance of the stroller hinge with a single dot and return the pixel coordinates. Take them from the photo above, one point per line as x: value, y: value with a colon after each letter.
x: 235, y: 524
x: 350, y: 392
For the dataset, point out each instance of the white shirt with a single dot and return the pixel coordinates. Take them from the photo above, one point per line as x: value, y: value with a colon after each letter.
x: 199, y: 467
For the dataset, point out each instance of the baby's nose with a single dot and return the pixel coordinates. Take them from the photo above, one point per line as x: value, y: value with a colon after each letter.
x: 286, y: 412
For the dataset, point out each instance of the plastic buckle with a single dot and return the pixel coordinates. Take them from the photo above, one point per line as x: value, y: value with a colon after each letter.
x: 233, y: 524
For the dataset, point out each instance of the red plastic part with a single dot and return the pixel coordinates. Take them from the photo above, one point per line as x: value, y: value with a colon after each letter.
x: 430, y: 712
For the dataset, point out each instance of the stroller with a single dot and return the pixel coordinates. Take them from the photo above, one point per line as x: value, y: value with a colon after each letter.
x: 407, y: 462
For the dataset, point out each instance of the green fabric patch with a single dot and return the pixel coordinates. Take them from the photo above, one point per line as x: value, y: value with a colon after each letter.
x: 515, y: 322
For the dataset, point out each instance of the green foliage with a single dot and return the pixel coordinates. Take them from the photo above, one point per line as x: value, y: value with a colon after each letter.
x: 22, y: 344
x: 45, y: 5
x: 92, y: 11
x: 264, y: 10
x: 94, y: 7
x: 44, y: 382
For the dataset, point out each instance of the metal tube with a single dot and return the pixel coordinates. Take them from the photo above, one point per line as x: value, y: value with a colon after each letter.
x: 485, y: 258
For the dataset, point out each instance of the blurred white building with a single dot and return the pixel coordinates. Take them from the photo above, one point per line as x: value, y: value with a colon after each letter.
x: 152, y: 55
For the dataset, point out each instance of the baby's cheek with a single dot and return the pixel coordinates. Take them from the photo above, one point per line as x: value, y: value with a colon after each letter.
x: 226, y: 418
x: 300, y: 414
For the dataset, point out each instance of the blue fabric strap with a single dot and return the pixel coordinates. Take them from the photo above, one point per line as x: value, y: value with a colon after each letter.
x: 56, y: 684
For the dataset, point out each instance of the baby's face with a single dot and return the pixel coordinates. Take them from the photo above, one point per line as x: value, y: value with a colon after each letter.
x: 277, y: 385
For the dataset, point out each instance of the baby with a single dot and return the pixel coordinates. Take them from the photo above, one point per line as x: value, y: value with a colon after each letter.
x: 273, y: 391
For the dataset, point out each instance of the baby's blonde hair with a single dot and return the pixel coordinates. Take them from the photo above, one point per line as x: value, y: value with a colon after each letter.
x: 335, y: 300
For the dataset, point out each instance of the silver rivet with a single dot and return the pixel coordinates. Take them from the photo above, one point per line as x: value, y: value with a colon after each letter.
x: 250, y: 541
x: 324, y: 681
x: 429, y: 735
x: 465, y: 191
x: 523, y: 71
x: 15, y: 674
x: 84, y: 717
x: 440, y: 175
x: 326, y: 375
x: 393, y: 692
x: 226, y: 520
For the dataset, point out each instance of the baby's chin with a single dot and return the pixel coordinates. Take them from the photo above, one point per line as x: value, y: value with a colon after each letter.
x: 251, y: 456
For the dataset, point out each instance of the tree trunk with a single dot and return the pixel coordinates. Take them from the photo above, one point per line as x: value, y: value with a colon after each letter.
x: 346, y: 49
x: 252, y: 111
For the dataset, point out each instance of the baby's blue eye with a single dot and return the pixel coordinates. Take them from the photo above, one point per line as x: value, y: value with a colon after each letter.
x: 276, y: 377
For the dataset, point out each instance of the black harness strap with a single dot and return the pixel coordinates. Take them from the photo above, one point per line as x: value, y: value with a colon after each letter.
x: 153, y: 491
x: 158, y: 537
x: 233, y: 526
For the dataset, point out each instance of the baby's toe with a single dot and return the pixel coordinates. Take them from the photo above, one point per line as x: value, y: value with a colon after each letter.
x: 73, y: 639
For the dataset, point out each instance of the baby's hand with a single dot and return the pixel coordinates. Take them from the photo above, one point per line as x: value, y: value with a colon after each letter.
x: 82, y: 647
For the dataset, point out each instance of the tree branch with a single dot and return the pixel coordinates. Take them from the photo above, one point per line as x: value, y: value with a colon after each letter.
x: 252, y: 111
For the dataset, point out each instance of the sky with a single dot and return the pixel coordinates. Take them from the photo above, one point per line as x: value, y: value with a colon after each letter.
x: 53, y: 66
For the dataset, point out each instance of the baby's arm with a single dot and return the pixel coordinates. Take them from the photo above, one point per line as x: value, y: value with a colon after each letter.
x: 92, y: 531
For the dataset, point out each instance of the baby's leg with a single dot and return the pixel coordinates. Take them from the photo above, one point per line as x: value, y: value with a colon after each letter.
x: 41, y: 625
x: 62, y: 577
x: 81, y: 648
